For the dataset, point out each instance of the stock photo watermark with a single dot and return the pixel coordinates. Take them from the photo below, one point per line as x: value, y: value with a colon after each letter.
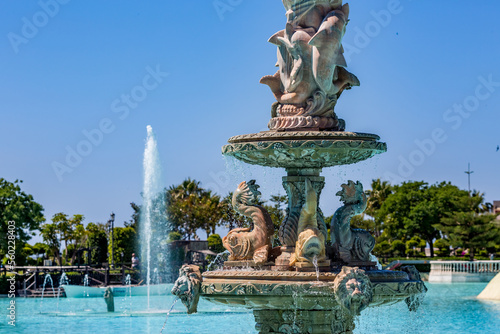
x: 225, y: 6
x: 121, y: 107
x: 454, y: 117
x: 32, y: 25
x: 11, y: 263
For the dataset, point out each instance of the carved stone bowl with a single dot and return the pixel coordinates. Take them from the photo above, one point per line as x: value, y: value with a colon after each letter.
x: 304, y: 149
x: 290, y: 290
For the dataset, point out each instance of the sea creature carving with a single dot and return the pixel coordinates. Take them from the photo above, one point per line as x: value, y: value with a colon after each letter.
x: 353, y: 290
x: 312, y: 74
x: 310, y: 245
x: 188, y: 287
x: 349, y: 244
x: 246, y: 243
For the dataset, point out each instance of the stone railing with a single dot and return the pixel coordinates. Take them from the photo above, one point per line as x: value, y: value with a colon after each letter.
x: 463, y: 271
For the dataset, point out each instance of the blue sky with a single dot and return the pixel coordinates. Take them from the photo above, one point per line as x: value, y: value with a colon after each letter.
x: 430, y: 87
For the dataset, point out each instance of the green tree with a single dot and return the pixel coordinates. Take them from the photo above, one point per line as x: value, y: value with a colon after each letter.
x: 72, y: 232
x: 380, y: 191
x: 415, y: 247
x: 40, y: 250
x: 231, y: 219
x: 398, y: 248
x: 414, y: 208
x: 50, y: 235
x: 124, y: 243
x: 97, y: 242
x: 215, y: 243
x: 443, y: 247
x: 469, y: 228
x: 190, y: 207
x: 17, y: 206
x: 277, y: 211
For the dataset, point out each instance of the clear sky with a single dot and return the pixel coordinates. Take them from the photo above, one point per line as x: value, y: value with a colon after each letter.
x: 104, y: 70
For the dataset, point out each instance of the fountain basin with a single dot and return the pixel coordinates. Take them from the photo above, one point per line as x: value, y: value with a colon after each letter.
x: 266, y: 289
x: 304, y: 149
x: 308, y: 302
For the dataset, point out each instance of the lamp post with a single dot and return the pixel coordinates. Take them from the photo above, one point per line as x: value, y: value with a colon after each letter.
x: 469, y: 172
x: 111, y: 223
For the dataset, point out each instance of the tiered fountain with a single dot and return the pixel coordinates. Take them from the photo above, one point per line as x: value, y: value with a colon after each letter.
x: 308, y: 284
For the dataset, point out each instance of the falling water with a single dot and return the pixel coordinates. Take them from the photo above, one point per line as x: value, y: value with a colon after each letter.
x: 128, y: 280
x: 153, y: 209
x: 168, y: 313
x: 156, y: 278
x: 85, y: 284
x: 62, y: 281
x: 217, y: 263
x: 373, y: 258
x: 315, y: 263
x: 47, y: 278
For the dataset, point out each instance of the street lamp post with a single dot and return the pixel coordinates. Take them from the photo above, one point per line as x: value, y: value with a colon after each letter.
x: 111, y: 223
x: 469, y: 172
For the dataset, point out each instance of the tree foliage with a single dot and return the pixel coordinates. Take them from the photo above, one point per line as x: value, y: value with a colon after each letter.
x: 17, y: 206
x: 97, y: 242
x: 471, y: 228
x: 414, y: 208
x: 124, y: 240
x: 190, y: 207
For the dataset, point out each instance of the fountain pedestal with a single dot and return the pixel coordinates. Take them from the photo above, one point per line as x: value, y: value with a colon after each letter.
x: 298, y: 321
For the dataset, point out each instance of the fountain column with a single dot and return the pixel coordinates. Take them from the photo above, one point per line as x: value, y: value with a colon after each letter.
x: 334, y: 321
x: 294, y: 184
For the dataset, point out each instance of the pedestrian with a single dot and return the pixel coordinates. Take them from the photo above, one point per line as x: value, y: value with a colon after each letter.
x: 135, y: 261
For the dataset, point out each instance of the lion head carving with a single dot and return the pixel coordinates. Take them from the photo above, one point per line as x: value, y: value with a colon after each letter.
x: 187, y: 287
x: 353, y: 290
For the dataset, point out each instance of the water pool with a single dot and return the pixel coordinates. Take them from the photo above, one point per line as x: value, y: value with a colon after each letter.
x: 448, y: 308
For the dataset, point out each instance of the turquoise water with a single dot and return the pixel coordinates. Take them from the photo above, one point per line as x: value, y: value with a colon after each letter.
x: 448, y: 308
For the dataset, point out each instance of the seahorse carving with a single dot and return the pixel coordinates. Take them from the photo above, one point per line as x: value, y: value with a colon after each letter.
x: 351, y: 245
x: 311, y: 242
x: 244, y: 243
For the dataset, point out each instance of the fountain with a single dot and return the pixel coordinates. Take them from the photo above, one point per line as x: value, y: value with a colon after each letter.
x: 154, y: 228
x: 48, y: 279
x: 63, y: 280
x: 308, y: 284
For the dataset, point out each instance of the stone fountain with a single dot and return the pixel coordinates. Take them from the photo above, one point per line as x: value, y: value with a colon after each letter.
x: 310, y: 283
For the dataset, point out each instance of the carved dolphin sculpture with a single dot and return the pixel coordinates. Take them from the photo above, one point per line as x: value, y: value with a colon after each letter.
x: 311, y: 242
x: 351, y: 245
x: 242, y: 243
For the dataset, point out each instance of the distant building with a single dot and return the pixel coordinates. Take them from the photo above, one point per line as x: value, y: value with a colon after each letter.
x: 496, y: 207
x: 187, y: 252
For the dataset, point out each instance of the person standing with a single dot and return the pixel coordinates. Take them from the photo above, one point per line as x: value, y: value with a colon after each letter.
x: 135, y: 261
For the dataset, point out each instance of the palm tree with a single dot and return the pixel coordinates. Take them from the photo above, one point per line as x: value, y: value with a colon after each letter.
x: 376, y: 197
